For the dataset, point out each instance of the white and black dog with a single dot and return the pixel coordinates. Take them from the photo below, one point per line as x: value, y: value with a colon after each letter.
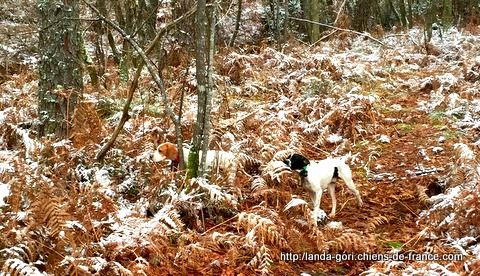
x: 322, y: 175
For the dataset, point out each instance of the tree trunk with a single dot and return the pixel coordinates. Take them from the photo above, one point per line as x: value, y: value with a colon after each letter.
x: 410, y: 14
x: 447, y: 13
x: 209, y: 90
x: 200, y: 63
x: 394, y: 11
x: 362, y: 13
x: 60, y: 66
x: 403, y: 14
x: 237, y: 23
x: 101, y: 64
x: 147, y: 19
x: 311, y: 11
x: 430, y: 18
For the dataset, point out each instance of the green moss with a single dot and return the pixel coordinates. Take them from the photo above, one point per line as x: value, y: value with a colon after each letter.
x: 394, y: 244
x: 437, y: 116
x: 192, y: 164
x: 450, y: 134
x: 404, y: 127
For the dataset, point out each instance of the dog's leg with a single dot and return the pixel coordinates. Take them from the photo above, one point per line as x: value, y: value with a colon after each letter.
x: 331, y: 190
x: 317, y: 198
x: 354, y: 190
x: 346, y: 174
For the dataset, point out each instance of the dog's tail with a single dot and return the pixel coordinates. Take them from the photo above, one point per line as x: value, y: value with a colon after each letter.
x: 349, y: 158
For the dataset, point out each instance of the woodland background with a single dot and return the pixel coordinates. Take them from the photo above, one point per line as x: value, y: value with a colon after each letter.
x: 394, y: 82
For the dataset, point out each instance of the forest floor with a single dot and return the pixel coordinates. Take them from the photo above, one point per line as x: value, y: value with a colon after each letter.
x: 408, y: 113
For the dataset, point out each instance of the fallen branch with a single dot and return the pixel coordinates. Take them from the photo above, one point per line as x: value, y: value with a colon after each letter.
x: 340, y: 29
x: 424, y: 171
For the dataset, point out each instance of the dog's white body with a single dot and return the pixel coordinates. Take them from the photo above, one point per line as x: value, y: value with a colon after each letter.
x: 320, y: 177
x: 215, y: 158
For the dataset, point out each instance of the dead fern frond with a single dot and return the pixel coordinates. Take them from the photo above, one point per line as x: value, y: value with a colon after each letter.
x: 464, y: 153
x: 283, y: 154
x: 48, y: 211
x: 319, y: 237
x: 169, y: 219
x: 376, y: 221
x: 327, y: 64
x: 258, y: 184
x: 19, y: 267
x: 74, y: 266
x: 226, y: 240
x: 248, y: 163
x: 115, y: 268
x: 262, y: 261
x: 191, y: 255
x: 275, y: 170
x: 26, y: 252
x: 295, y: 202
x: 350, y: 242
x: 215, y: 192
x: 261, y: 227
x: 422, y: 194
x: 87, y: 125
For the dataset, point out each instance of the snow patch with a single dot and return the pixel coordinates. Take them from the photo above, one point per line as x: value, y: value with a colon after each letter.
x: 4, y: 192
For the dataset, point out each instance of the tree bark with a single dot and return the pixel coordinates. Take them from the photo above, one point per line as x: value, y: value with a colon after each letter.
x: 237, y: 24
x: 403, y: 14
x: 60, y: 66
x: 200, y: 64
x: 311, y: 12
x: 410, y: 14
x: 209, y: 90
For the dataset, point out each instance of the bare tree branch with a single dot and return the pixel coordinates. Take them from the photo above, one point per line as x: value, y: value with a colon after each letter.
x: 340, y: 29
x: 151, y: 69
x: 339, y: 12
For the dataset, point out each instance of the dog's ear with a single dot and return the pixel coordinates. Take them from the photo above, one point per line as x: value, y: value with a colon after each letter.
x: 305, y: 160
x: 296, y: 162
x: 288, y: 161
x: 169, y: 150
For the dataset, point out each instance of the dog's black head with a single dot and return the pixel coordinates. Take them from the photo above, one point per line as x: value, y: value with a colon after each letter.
x: 297, y: 162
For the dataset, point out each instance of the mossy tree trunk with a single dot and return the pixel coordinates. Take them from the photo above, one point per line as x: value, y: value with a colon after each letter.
x: 60, y: 65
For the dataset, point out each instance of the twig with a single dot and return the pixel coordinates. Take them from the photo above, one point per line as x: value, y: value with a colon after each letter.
x: 422, y: 171
x: 340, y: 29
x: 416, y: 237
x: 218, y: 225
x: 339, y: 12
x: 408, y: 208
x: 321, y: 39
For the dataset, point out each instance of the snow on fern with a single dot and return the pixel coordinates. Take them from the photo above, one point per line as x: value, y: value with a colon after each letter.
x: 215, y: 192
x: 294, y: 203
x: 131, y: 230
